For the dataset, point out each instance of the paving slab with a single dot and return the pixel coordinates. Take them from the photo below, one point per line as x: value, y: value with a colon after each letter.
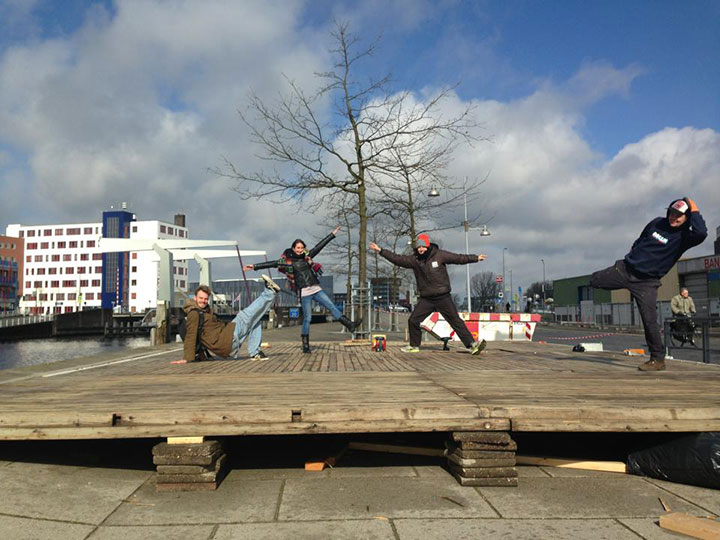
x: 706, y: 498
x: 180, y: 532
x: 375, y: 529
x: 649, y: 529
x: 252, y: 500
x: 431, y: 471
x: 19, y: 528
x: 529, y: 471
x: 281, y: 473
x: 613, y: 496
x: 362, y: 498
x: 512, y: 529
x: 368, y: 472
x: 66, y: 493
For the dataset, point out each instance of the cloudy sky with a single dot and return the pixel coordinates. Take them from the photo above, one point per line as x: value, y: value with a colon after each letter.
x: 598, y: 114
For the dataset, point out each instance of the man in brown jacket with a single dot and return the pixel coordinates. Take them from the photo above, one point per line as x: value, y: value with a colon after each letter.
x: 224, y: 339
x: 428, y: 262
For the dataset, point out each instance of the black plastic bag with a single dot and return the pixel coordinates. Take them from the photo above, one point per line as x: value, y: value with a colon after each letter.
x: 693, y: 460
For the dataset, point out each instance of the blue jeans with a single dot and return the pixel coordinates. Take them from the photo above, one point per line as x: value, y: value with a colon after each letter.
x: 247, y: 322
x: 324, y: 300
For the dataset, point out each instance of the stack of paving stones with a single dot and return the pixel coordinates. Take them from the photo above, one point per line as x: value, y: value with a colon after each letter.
x: 479, y: 458
x: 189, y: 467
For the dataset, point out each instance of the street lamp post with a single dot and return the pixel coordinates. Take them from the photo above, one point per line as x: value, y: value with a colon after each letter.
x: 466, y: 225
x: 504, y: 287
x: 543, y: 282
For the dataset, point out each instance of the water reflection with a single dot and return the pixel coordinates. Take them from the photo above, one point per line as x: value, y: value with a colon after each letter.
x: 44, y: 351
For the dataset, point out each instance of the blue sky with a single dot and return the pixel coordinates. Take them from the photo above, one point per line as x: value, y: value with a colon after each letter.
x: 598, y: 113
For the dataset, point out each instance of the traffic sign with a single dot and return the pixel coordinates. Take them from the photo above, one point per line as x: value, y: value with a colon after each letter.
x: 498, y: 279
x: 500, y: 294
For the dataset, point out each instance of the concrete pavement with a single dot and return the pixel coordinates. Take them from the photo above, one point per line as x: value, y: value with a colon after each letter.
x: 367, y: 495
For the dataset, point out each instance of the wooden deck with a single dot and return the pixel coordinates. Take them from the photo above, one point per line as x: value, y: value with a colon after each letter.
x: 339, y: 389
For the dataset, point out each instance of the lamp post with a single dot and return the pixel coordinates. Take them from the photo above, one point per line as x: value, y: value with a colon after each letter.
x: 543, y: 282
x: 504, y: 287
x: 483, y: 232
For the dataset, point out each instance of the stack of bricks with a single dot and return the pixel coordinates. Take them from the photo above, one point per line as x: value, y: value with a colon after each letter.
x: 189, y: 467
x: 479, y: 458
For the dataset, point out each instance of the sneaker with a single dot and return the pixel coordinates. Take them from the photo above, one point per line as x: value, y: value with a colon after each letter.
x: 410, y: 349
x: 476, y: 347
x: 270, y: 284
x: 259, y: 356
x: 653, y: 365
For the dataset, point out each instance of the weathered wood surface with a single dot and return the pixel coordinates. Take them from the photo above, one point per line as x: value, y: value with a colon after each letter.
x: 338, y: 389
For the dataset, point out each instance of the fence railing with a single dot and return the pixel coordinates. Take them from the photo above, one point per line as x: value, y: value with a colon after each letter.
x: 18, y: 320
x: 683, y: 331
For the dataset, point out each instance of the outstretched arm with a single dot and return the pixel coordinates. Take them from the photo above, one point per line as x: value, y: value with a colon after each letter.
x: 262, y: 265
x: 461, y: 258
x: 405, y: 261
x: 324, y: 242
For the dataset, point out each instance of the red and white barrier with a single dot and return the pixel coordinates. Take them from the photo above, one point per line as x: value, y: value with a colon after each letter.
x: 487, y: 326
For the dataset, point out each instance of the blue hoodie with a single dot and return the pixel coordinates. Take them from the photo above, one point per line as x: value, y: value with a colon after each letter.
x: 660, y: 245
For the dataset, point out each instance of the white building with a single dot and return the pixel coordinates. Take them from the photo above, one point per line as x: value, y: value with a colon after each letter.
x: 64, y: 269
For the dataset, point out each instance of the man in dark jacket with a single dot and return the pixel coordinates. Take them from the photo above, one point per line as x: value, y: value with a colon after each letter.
x: 652, y: 255
x: 224, y: 339
x: 428, y: 262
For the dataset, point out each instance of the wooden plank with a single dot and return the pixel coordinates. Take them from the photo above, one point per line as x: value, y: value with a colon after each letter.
x: 396, y: 449
x: 704, y: 528
x: 185, y: 440
x: 607, y: 466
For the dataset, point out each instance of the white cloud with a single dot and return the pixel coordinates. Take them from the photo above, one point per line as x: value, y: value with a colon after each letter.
x: 135, y: 107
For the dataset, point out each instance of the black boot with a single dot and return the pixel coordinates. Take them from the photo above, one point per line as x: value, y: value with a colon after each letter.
x: 305, y: 342
x: 347, y: 323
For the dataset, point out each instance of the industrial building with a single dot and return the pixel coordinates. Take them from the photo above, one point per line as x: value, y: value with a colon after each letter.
x: 576, y: 301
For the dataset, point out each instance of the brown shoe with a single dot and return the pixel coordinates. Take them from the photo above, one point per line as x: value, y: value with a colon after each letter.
x: 653, y: 365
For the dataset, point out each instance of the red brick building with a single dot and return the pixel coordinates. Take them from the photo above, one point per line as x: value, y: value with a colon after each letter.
x: 11, y: 270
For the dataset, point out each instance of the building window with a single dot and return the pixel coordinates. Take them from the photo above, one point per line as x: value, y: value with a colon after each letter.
x: 97, y: 257
x: 44, y: 245
x: 90, y: 243
x: 55, y: 258
x: 83, y: 282
x: 84, y: 256
x: 40, y: 271
x: 62, y: 245
x: 87, y: 230
x: 70, y: 270
x: 52, y: 270
x: 22, y: 234
x: 171, y: 231
x: 58, y: 232
x: 31, y: 245
x: 28, y: 284
x: 55, y: 284
x: 60, y: 296
x: 133, y: 296
x: 28, y: 258
x: 38, y: 258
x: 134, y: 255
x: 31, y: 233
x: 69, y: 283
x: 95, y: 282
x: 133, y: 269
x: 134, y: 228
x: 90, y: 296
x: 67, y: 257
x: 98, y: 269
x: 73, y: 244
x: 133, y: 282
x: 72, y: 296
x: 73, y: 231
x: 37, y: 284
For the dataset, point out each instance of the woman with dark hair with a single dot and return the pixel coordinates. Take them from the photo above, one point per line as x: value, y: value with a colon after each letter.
x: 302, y: 274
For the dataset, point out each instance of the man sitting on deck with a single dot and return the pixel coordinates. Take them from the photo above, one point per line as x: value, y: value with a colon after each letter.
x: 428, y: 262
x: 652, y: 255
x: 224, y: 339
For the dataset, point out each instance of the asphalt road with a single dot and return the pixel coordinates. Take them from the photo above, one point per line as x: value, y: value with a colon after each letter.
x: 619, y: 341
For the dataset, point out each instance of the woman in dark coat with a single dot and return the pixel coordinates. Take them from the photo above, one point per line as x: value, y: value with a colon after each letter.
x: 302, y: 273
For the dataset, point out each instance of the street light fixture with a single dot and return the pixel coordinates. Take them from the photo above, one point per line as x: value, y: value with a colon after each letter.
x: 466, y: 225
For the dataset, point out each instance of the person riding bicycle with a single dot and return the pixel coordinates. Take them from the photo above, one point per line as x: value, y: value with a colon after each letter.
x: 683, y: 309
x: 682, y: 304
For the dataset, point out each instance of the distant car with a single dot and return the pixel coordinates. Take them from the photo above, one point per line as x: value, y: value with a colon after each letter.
x: 399, y: 308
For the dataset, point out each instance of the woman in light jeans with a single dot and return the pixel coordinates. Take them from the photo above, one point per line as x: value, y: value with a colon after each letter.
x: 302, y: 273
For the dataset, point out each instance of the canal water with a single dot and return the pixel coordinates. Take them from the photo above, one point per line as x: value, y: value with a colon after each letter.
x: 44, y: 351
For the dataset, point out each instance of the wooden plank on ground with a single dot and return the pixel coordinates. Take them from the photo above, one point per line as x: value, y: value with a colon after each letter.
x: 697, y: 527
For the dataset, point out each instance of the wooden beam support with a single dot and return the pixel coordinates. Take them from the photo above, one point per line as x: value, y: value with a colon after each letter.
x: 704, y: 528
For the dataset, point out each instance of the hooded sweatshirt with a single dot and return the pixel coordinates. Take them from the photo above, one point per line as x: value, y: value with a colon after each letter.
x: 216, y: 335
x: 660, y: 245
x: 430, y: 268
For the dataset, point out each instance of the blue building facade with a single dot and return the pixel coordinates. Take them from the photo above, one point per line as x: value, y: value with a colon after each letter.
x: 115, y: 275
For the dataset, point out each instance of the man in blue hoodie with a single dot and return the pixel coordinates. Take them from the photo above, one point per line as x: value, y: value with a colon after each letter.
x: 652, y: 255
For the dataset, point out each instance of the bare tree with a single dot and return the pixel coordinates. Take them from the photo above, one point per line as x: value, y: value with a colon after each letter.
x: 484, y: 289
x: 351, y: 150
